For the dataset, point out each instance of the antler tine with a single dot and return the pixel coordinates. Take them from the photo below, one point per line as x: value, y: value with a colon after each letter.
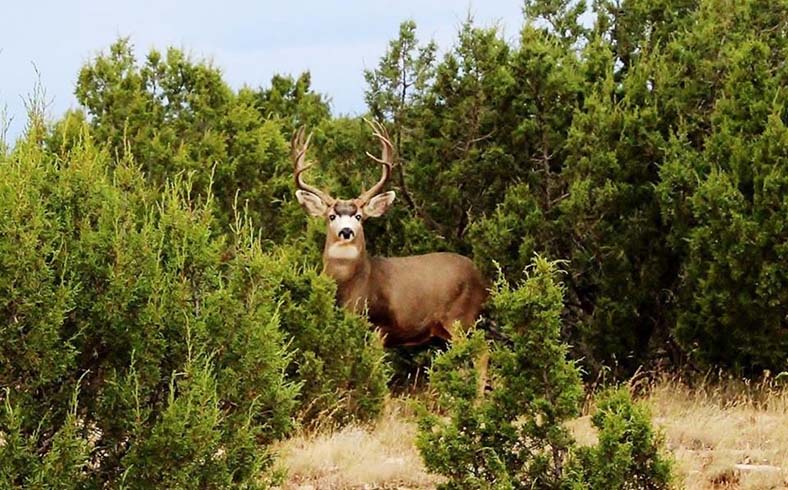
x: 298, y: 149
x: 386, y: 159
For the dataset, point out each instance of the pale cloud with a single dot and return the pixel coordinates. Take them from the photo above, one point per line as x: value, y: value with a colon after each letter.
x: 249, y: 40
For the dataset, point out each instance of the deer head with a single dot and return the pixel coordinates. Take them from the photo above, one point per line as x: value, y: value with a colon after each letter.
x: 344, y: 217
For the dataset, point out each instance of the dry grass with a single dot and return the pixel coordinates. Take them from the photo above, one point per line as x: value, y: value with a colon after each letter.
x: 709, y: 427
x: 714, y: 426
x: 356, y: 457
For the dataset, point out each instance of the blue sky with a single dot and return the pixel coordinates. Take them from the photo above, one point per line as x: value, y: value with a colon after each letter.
x: 249, y: 40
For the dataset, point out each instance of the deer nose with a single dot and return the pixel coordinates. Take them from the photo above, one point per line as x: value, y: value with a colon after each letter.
x: 346, y: 233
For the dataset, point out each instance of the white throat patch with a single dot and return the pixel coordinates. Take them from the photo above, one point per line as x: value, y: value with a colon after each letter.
x: 340, y: 250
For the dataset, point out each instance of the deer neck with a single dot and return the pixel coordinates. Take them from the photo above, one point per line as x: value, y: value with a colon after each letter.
x: 350, y: 266
x: 346, y: 262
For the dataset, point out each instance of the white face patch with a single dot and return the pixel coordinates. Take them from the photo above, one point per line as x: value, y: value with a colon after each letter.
x: 342, y: 222
x: 345, y: 245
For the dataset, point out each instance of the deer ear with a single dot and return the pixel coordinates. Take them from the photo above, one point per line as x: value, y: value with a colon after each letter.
x: 311, y: 203
x: 379, y: 204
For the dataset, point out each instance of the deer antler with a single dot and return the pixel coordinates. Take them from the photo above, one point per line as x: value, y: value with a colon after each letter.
x: 298, y: 147
x: 386, y: 159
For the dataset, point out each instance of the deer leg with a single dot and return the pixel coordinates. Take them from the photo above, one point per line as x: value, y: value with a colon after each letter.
x: 439, y: 330
x: 482, y: 363
x: 421, y: 339
x: 464, y: 309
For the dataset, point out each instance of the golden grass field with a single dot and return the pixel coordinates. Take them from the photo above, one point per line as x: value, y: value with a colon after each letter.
x: 723, y: 435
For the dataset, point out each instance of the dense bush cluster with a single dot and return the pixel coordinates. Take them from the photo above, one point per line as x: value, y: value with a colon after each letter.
x: 647, y: 149
x: 140, y: 347
x: 162, y: 318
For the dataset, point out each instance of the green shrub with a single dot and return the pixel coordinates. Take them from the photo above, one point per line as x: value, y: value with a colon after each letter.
x: 339, y: 360
x: 629, y: 454
x: 174, y: 114
x: 512, y: 435
x: 184, y: 343
x: 190, y: 444
x: 41, y: 459
x: 509, y: 234
x: 126, y: 295
x: 723, y: 193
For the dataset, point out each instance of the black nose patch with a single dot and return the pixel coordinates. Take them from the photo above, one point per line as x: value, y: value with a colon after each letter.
x: 346, y: 233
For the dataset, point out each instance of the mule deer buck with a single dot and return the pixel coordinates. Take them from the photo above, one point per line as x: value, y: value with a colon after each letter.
x: 410, y: 299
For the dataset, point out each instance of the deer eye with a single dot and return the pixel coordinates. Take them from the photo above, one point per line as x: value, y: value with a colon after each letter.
x: 358, y: 217
x: 332, y: 217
